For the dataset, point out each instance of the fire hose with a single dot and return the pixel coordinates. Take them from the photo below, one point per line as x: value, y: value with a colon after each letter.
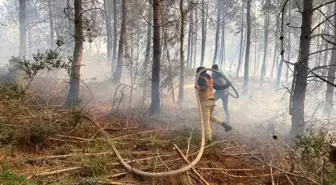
x: 173, y: 172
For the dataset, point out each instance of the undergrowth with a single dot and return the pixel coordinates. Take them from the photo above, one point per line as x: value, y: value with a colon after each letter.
x: 315, y: 151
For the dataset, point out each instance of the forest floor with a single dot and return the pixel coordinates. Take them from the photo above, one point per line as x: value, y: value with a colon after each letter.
x: 45, y: 144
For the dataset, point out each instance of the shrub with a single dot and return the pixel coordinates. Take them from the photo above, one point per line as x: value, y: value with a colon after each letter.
x: 315, y: 149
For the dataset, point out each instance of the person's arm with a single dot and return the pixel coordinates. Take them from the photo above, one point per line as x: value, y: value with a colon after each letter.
x: 222, y: 87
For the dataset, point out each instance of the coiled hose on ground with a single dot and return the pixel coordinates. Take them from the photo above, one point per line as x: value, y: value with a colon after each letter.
x: 173, y: 172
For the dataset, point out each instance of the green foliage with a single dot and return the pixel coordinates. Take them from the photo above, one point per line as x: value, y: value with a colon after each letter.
x: 315, y: 148
x: 49, y: 60
x: 11, y: 91
x: 7, y: 176
x: 33, y: 133
x: 97, y: 166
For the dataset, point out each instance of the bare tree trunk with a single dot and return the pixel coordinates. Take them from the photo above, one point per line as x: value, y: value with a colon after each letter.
x: 219, y: 12
x: 30, y: 42
x: 195, y: 36
x: 248, y: 43
x: 155, y: 105
x: 282, y: 53
x: 181, y: 89
x: 300, y: 77
x: 331, y: 78
x: 115, y: 36
x: 51, y: 24
x: 204, y: 28
x: 275, y: 55
x: 289, y: 45
x: 289, y: 57
x: 222, y: 54
x: 255, y: 51
x: 77, y: 56
x: 241, y: 41
x: 190, y: 40
x: 148, y: 49
x: 70, y: 24
x: 109, y: 48
x: 117, y: 73
x: 23, y: 37
x: 266, y: 31
x: 326, y: 53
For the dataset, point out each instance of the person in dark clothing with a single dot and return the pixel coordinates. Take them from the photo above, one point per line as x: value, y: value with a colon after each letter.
x: 205, y: 86
x: 221, y: 94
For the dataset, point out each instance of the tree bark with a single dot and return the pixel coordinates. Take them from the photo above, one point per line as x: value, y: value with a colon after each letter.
x: 155, y: 105
x: 266, y: 31
x: 23, y: 37
x: 289, y: 45
x: 51, y: 24
x: 181, y: 89
x: 70, y: 24
x: 109, y: 48
x: 217, y: 31
x: 117, y: 73
x: 190, y: 40
x: 331, y: 77
x: 301, y: 71
x: 77, y: 56
x: 148, y: 49
x: 241, y: 40
x: 275, y: 55
x: 247, y: 54
x: 196, y: 37
x: 222, y: 54
x: 204, y: 28
x: 115, y: 36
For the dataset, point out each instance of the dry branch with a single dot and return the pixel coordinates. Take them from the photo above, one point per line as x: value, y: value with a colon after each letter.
x: 202, y: 180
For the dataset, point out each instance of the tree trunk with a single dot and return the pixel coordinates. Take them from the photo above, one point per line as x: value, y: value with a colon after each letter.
x: 275, y: 55
x: 241, y: 40
x: 115, y: 36
x: 217, y: 31
x: 222, y: 54
x: 51, y: 24
x: 29, y: 42
x: 117, y: 73
x: 70, y: 24
x: 282, y: 53
x: 109, y: 48
x: 266, y: 31
x: 247, y: 54
x: 148, y: 49
x: 181, y: 89
x: 204, y: 29
x: 77, y: 56
x: 300, y: 77
x: 190, y: 40
x: 155, y: 105
x: 331, y: 78
x: 326, y: 53
x: 23, y: 37
x: 255, y: 51
x: 195, y: 38
x: 289, y: 45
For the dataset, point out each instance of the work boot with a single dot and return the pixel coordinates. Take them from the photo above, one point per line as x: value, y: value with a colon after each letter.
x: 227, y: 127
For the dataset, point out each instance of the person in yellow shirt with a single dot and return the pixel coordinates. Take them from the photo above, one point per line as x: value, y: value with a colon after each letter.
x: 206, y: 86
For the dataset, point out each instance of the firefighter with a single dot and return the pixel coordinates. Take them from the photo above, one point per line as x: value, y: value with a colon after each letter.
x: 205, y: 86
x: 221, y: 94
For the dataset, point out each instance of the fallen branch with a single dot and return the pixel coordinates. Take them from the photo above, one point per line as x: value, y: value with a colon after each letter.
x: 56, y: 172
x: 202, y: 180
